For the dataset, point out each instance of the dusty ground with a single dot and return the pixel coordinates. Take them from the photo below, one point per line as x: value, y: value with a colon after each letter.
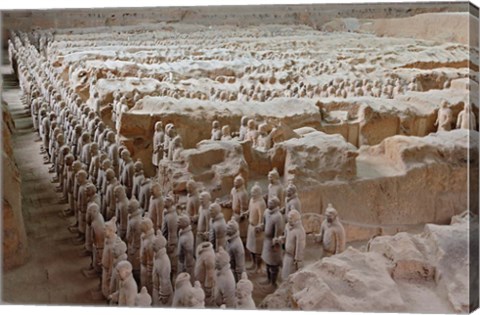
x: 52, y: 274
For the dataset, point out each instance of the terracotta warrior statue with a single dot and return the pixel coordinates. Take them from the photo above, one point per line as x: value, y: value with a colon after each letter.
x: 272, y: 252
x: 225, y: 282
x: 186, y: 295
x: 444, y: 117
x: 466, y: 118
x: 218, y: 227
x: 239, y: 197
x: 216, y: 131
x: 226, y: 133
x: 92, y: 198
x: 203, y: 223
x: 161, y: 273
x: 109, y: 200
x: 170, y: 133
x: 127, y: 291
x: 243, y: 128
x: 121, y: 211
x: 158, y: 140
x: 156, y: 206
x: 146, y: 254
x: 134, y: 236
x: 255, y: 236
x: 275, y: 187
x: 119, y: 255
x: 292, y: 201
x: 138, y: 177
x: 294, y: 240
x: 193, y: 203
x: 112, y: 149
x: 244, y: 293
x: 107, y: 255
x: 170, y: 230
x: 94, y: 162
x: 185, y: 249
x: 98, y: 236
x: 81, y: 202
x: 145, y: 192
x: 127, y: 171
x: 235, y: 249
x: 143, y: 299
x: 252, y: 133
x: 332, y: 234
x: 205, y: 270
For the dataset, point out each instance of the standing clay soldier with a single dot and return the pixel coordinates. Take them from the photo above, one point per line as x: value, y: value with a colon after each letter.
x: 112, y: 149
x: 94, y: 162
x: 81, y: 202
x: 292, y: 201
x: 256, y: 211
x: 175, y: 150
x: 185, y: 294
x: 218, y: 227
x: 127, y: 291
x: 138, y: 177
x: 275, y: 188
x: 197, y: 298
x: 134, y: 236
x: 146, y: 253
x: 466, y: 118
x: 155, y: 208
x: 158, y: 140
x: 98, y: 236
x: 225, y: 282
x: 101, y: 176
x: 107, y: 255
x: 332, y: 234
x: 72, y: 186
x: 143, y: 299
x: 294, y: 240
x: 85, y: 149
x: 61, y: 165
x: 145, y: 192
x: 226, y: 133
x: 119, y: 255
x: 203, y: 226
x: 109, y: 201
x: 126, y: 178
x: 67, y: 181
x: 121, y: 211
x: 243, y: 128
x: 169, y: 231
x: 205, y: 270
x: 252, y: 133
x: 193, y: 203
x: 216, y: 131
x: 92, y: 198
x: 235, y: 249
x: 239, y: 197
x: 272, y: 252
x: 244, y: 293
x: 265, y: 139
x: 185, y: 249
x: 161, y: 273
x: 444, y: 117
x: 170, y: 133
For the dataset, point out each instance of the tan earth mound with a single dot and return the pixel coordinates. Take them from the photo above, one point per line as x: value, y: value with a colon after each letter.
x: 440, y: 27
x: 318, y: 157
x: 402, y: 273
